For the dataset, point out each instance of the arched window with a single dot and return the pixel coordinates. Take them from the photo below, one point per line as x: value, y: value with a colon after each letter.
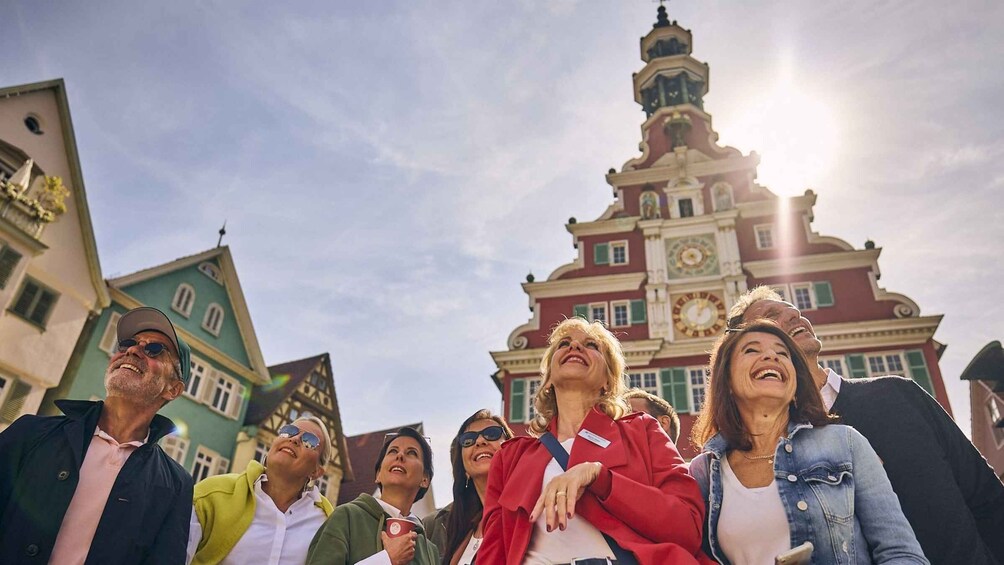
x: 211, y: 271
x: 213, y: 320
x: 184, y: 299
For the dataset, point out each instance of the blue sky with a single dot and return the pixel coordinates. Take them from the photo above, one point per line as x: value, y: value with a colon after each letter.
x: 390, y: 171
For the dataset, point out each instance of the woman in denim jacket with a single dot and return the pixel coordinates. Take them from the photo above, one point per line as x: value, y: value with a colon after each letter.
x: 776, y: 472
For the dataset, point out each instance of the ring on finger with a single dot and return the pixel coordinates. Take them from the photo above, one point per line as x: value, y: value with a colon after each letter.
x: 560, y: 493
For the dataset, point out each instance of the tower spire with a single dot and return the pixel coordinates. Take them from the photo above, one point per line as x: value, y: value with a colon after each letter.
x: 222, y: 232
x: 661, y: 20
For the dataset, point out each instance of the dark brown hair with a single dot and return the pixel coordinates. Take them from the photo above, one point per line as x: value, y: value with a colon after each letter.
x: 426, y: 455
x: 720, y: 414
x: 467, y: 508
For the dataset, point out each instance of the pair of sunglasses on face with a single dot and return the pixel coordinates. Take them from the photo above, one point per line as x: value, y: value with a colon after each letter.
x: 150, y: 349
x: 309, y: 440
x: 491, y: 433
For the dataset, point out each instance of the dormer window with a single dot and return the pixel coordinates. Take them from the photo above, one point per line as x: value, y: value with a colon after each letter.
x: 211, y: 271
x: 213, y: 320
x: 184, y: 299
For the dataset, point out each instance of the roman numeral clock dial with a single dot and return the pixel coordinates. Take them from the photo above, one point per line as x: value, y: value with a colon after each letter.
x: 699, y: 314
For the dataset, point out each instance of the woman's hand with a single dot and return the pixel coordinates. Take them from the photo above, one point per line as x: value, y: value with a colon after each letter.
x: 557, y: 500
x: 400, y: 549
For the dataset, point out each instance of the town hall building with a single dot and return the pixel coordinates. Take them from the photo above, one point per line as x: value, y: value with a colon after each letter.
x: 688, y: 232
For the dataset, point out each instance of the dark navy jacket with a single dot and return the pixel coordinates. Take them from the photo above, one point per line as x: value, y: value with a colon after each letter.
x: 949, y: 493
x: 148, y: 511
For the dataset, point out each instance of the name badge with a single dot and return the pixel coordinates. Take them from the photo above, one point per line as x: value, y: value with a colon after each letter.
x: 598, y: 440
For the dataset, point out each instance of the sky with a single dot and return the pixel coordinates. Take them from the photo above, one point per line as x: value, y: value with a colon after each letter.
x: 390, y: 171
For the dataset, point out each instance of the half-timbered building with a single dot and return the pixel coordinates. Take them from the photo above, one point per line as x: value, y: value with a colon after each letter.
x: 304, y: 387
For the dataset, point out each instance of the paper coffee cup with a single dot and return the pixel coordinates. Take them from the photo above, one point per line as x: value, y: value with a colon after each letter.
x: 399, y: 526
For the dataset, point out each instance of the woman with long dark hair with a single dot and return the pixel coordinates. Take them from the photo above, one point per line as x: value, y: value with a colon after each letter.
x: 456, y: 529
x: 778, y: 474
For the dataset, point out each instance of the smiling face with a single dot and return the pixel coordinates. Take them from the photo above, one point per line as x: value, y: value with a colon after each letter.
x: 789, y: 319
x: 141, y: 379
x: 478, y: 457
x: 578, y: 362
x: 290, y: 458
x: 761, y: 370
x: 402, y: 466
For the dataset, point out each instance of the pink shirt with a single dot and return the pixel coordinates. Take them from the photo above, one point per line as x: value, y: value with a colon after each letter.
x: 102, y: 463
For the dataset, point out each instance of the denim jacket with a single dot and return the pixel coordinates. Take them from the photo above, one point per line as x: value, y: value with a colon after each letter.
x: 835, y: 494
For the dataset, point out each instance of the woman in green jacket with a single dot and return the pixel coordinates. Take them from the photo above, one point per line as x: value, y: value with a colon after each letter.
x: 354, y: 533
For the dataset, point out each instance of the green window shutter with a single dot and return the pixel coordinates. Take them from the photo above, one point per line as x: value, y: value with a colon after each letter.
x: 517, y: 399
x: 637, y: 311
x: 8, y: 260
x: 601, y: 254
x: 918, y: 370
x: 857, y: 366
x: 824, y: 293
x: 581, y: 311
x: 674, y: 388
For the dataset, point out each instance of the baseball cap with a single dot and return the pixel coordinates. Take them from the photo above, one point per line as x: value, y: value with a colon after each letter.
x: 148, y: 319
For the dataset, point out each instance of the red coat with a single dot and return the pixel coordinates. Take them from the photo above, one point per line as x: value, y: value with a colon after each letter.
x: 652, y: 507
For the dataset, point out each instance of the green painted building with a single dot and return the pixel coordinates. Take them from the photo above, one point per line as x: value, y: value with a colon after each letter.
x: 202, y: 296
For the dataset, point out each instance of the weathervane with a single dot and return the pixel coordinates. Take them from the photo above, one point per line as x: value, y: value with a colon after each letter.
x: 222, y: 232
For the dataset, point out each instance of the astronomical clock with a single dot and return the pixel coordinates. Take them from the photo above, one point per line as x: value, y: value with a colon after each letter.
x: 698, y: 314
x: 691, y: 256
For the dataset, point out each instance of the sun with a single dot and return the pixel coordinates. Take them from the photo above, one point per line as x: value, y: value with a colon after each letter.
x: 795, y: 132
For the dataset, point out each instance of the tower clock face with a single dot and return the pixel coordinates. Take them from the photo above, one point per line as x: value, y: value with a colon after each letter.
x: 691, y: 256
x: 699, y: 314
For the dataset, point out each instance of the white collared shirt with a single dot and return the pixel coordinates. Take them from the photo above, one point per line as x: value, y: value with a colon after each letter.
x: 831, y: 389
x: 274, y: 537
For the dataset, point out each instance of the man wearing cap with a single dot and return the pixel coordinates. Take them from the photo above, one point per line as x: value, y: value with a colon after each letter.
x: 93, y: 486
x: 950, y: 495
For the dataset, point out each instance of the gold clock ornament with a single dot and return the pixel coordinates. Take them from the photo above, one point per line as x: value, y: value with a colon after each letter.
x: 692, y: 256
x: 699, y: 314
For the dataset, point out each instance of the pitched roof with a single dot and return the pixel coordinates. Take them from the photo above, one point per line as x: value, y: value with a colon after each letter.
x: 76, y: 180
x: 363, y: 451
x: 258, y: 370
x: 266, y: 398
x: 286, y: 379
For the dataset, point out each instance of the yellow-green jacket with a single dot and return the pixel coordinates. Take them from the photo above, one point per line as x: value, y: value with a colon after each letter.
x: 225, y: 506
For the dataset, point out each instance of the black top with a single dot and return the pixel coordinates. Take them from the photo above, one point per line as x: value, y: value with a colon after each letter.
x: 949, y: 493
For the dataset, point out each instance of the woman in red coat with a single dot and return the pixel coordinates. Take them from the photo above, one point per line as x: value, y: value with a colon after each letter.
x: 625, y: 496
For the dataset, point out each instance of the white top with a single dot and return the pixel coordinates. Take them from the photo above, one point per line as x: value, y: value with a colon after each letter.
x: 752, y: 524
x: 273, y: 537
x: 580, y: 540
x: 831, y: 389
x: 470, y: 551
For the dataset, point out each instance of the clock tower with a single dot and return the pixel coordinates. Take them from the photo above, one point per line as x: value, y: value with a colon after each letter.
x: 689, y: 231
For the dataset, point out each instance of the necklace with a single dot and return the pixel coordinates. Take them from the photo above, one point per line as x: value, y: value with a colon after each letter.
x: 769, y: 458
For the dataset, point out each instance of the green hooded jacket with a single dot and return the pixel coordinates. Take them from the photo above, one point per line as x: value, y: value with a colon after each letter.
x: 352, y: 533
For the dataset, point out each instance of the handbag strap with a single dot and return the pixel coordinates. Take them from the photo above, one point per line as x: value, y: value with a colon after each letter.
x: 624, y: 557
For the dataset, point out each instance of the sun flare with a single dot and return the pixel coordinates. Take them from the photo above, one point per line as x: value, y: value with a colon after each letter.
x: 796, y: 134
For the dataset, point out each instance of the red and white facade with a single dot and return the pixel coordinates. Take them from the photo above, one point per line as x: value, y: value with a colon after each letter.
x: 688, y: 232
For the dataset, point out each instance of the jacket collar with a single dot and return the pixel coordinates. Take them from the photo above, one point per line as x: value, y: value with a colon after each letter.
x: 88, y: 410
x: 524, y: 493
x: 717, y: 446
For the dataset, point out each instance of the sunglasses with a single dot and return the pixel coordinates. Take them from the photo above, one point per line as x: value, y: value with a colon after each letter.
x: 150, y: 349
x: 309, y: 440
x: 491, y: 433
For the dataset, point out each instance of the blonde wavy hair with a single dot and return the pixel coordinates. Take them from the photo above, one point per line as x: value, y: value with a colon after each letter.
x: 610, y: 401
